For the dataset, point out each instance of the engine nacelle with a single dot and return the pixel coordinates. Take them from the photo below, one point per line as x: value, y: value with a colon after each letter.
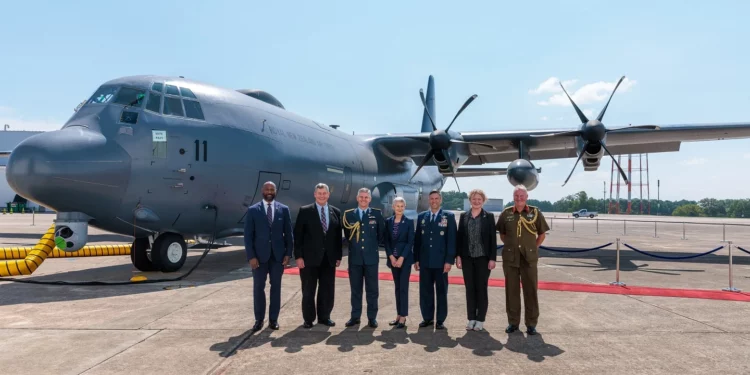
x: 71, y: 231
x: 522, y: 171
x: 592, y: 157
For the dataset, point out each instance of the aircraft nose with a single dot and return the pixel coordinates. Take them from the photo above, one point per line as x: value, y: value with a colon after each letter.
x: 72, y: 169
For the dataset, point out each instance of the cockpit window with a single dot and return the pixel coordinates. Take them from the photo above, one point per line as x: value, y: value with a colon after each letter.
x: 172, y: 90
x: 193, y: 109
x: 154, y: 102
x: 173, y: 106
x: 103, y: 95
x: 186, y: 92
x: 157, y: 86
x: 131, y: 97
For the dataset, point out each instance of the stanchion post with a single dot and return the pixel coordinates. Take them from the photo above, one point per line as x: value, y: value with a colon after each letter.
x: 552, y: 223
x: 624, y: 228
x: 683, y: 231
x: 574, y: 225
x: 617, y: 267
x: 597, y: 226
x: 731, y: 284
x: 724, y: 232
x: 655, y: 230
x: 33, y: 216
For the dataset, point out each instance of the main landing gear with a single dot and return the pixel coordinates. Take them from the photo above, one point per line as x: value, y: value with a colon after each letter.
x: 166, y: 253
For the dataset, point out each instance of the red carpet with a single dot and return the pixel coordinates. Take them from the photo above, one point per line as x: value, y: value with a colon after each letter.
x: 584, y: 288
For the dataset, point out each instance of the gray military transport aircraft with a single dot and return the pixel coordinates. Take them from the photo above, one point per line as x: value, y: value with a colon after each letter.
x: 163, y: 158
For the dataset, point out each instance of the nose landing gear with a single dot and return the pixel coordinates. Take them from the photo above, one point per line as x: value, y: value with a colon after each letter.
x: 166, y: 253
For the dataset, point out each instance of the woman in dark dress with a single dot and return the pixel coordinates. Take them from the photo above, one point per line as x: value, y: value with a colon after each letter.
x: 476, y: 250
x: 399, y: 247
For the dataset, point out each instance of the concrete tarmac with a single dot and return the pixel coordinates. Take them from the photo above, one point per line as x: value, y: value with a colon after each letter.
x: 201, y: 325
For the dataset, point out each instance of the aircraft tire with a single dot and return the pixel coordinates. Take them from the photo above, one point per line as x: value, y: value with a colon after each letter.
x: 139, y: 257
x: 169, y: 252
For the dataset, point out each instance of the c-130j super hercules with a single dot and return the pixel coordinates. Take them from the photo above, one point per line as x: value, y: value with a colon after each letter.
x: 163, y: 158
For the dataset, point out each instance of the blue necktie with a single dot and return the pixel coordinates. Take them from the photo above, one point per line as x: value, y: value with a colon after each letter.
x: 268, y: 215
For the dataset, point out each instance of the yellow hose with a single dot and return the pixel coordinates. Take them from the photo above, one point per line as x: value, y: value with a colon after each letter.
x: 33, y: 258
x: 86, y: 251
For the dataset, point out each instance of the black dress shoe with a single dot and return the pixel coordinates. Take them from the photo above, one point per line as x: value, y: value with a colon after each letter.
x: 352, y: 322
x: 373, y: 323
x: 393, y: 322
x: 327, y: 322
x: 257, y: 326
x: 273, y: 324
x: 531, y: 330
x: 511, y: 328
x: 308, y: 325
x: 400, y: 325
x: 439, y: 325
x: 425, y: 323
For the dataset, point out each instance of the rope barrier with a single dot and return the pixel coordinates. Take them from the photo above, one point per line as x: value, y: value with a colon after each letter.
x: 679, y: 257
x: 748, y: 252
x: 568, y: 251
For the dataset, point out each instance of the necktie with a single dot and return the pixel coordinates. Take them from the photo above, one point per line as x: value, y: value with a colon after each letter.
x: 268, y: 215
x: 323, y: 219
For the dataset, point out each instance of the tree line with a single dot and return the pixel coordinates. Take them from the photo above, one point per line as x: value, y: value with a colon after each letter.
x: 706, y: 207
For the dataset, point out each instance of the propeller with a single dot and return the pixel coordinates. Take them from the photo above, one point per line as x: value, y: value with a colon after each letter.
x: 593, y: 131
x: 440, y: 141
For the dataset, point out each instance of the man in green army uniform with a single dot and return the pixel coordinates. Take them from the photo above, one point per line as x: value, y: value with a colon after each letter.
x: 522, y: 229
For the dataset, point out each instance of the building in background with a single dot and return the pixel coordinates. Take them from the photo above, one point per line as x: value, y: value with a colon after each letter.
x: 492, y: 205
x: 9, y: 139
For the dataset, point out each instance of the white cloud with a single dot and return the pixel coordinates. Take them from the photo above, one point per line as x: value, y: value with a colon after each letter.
x: 589, y: 113
x: 694, y: 161
x: 551, y: 85
x: 747, y: 156
x: 544, y: 118
x: 589, y: 93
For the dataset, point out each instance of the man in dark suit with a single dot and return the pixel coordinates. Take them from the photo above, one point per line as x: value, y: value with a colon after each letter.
x: 317, y: 251
x: 434, y: 254
x: 269, y: 245
x: 364, y: 227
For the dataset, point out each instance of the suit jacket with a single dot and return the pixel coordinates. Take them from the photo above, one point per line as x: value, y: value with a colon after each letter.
x: 488, y: 237
x: 403, y: 245
x: 261, y: 239
x: 364, y: 236
x: 435, y: 242
x: 310, y: 242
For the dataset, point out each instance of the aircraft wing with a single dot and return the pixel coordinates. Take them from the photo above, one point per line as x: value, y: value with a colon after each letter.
x: 626, y: 141
x: 4, y: 153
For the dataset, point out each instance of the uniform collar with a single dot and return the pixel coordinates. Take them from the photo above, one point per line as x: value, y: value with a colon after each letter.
x: 525, y: 208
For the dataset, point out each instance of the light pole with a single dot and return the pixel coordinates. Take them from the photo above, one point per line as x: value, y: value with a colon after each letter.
x: 658, y: 198
x: 604, y: 196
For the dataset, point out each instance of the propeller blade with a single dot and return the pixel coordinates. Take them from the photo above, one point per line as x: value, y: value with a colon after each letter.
x: 424, y: 161
x: 601, y: 114
x: 424, y: 103
x: 473, y: 143
x: 578, y: 110
x: 466, y: 104
x: 575, y: 165
x: 561, y: 134
x: 649, y: 127
x: 624, y: 177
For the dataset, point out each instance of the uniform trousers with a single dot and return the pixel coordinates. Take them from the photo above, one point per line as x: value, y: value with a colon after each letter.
x: 526, y: 274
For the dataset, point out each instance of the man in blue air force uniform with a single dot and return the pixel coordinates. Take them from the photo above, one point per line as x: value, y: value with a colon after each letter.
x: 364, y: 228
x: 269, y: 245
x: 434, y: 254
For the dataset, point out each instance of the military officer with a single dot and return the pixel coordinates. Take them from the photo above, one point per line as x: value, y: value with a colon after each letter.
x: 434, y: 254
x: 364, y: 228
x: 522, y: 230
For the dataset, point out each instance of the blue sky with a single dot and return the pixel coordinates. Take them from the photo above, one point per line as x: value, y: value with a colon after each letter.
x: 362, y: 65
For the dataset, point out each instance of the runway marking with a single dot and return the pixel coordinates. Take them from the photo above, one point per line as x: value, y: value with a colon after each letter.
x: 583, y: 288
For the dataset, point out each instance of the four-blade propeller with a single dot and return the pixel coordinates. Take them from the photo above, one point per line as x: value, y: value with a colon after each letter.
x: 593, y: 132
